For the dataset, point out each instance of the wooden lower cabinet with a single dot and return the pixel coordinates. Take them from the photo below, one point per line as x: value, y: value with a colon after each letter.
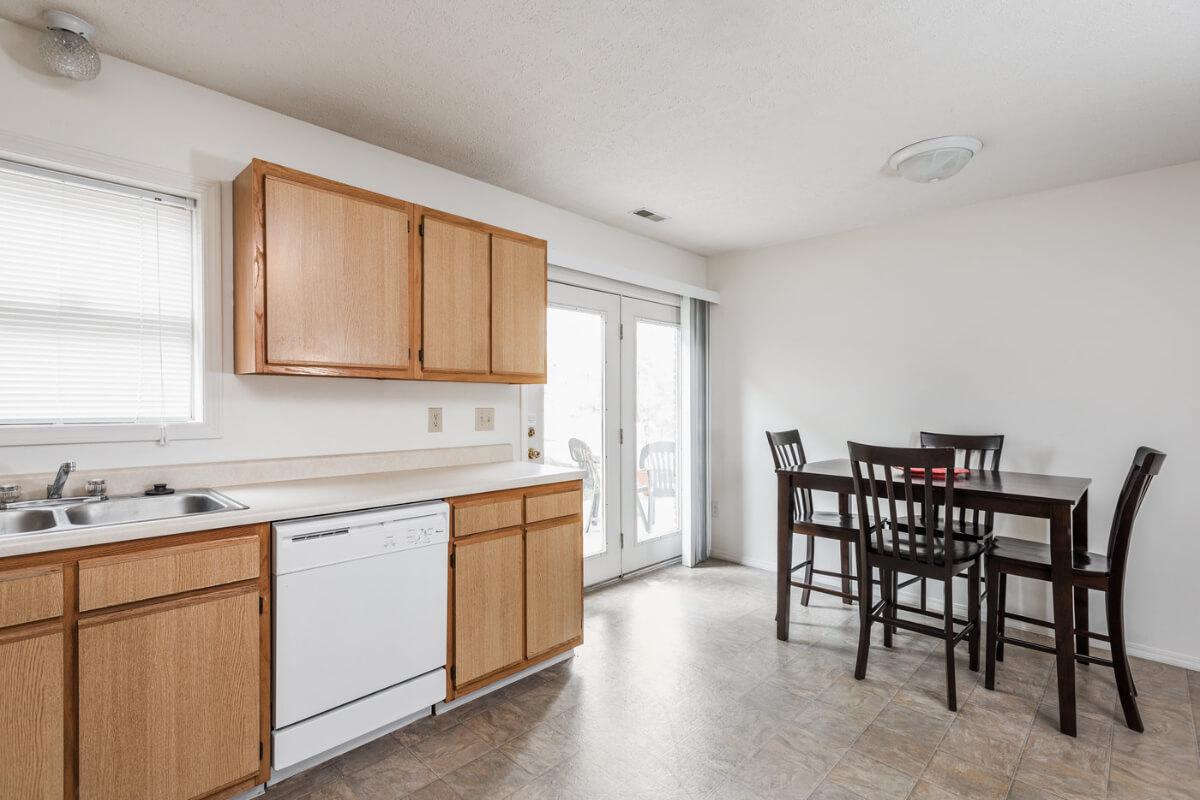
x: 489, y: 605
x: 151, y: 682
x: 31, y: 715
x: 516, y: 594
x: 169, y: 698
x: 553, y: 586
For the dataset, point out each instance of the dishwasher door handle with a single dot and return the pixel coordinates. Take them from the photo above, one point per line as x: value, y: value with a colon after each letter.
x: 321, y: 535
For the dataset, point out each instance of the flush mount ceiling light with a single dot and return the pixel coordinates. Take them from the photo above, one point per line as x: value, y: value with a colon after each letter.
x: 67, y: 48
x: 934, y: 160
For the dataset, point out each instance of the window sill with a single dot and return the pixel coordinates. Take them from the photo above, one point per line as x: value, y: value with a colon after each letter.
x: 26, y: 435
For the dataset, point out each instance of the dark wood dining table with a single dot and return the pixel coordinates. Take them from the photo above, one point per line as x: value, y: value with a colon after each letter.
x: 1060, y: 500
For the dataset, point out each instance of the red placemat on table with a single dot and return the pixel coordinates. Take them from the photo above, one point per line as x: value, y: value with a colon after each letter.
x: 938, y: 472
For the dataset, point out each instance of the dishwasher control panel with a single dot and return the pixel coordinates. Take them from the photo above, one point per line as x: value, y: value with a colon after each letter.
x: 318, y: 541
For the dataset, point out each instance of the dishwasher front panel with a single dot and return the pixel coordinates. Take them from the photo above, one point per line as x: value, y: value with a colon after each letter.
x: 346, y: 630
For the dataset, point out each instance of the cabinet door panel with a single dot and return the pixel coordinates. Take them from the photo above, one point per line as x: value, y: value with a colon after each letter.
x: 337, y: 279
x: 518, y: 307
x: 489, y: 605
x: 168, y: 698
x: 554, y: 583
x: 455, y: 289
x: 31, y: 717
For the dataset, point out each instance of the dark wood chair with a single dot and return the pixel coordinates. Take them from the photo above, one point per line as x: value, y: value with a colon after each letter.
x: 977, y: 453
x: 1105, y: 573
x: 931, y: 552
x: 788, y: 451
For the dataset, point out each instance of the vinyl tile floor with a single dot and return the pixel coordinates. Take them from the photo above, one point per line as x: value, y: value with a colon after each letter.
x: 681, y: 690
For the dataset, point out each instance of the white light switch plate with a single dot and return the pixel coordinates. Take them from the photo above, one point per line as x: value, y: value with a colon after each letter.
x: 485, y: 419
x: 435, y: 420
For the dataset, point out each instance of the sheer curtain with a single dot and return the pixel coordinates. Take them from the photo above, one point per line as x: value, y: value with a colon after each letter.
x: 695, y: 377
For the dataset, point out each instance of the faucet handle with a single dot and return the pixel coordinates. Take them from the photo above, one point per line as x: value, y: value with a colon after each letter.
x: 9, y: 493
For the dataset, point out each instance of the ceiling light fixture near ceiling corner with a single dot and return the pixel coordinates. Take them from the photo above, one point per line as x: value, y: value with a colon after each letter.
x: 67, y: 48
x: 646, y: 213
x: 934, y: 160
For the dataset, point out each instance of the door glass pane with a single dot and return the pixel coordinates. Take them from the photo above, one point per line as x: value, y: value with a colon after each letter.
x: 574, y: 409
x: 657, y: 421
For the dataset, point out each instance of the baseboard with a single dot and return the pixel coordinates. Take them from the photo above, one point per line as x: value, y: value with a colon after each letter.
x: 1157, y: 654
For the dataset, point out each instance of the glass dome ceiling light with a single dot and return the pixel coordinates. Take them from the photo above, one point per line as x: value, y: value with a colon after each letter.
x: 67, y: 48
x: 934, y: 160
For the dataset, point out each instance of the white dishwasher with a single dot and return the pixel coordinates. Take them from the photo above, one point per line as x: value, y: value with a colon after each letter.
x: 360, y: 624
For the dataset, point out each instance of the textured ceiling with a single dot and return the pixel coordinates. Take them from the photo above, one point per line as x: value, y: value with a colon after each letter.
x: 747, y: 123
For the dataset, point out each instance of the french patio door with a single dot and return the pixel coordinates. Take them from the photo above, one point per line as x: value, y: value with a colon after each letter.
x: 612, y: 407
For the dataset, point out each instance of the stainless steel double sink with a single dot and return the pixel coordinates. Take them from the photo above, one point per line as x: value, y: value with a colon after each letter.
x: 78, y: 513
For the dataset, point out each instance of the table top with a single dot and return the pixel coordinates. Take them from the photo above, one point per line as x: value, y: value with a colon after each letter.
x: 1010, y: 485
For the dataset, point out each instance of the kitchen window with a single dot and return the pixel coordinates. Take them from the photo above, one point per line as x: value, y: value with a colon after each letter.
x: 102, y: 311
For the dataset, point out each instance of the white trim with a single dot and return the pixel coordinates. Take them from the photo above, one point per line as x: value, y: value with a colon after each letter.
x: 639, y: 284
x: 584, y: 280
x: 207, y: 196
x: 1171, y: 657
x: 450, y: 705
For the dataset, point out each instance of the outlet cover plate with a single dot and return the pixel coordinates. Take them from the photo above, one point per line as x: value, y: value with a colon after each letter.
x: 485, y: 419
x: 435, y: 420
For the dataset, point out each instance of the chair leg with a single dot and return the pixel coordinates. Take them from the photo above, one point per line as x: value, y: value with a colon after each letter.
x: 864, y: 624
x: 1001, y: 592
x: 1120, y: 659
x: 989, y: 651
x: 924, y: 593
x: 948, y: 613
x: 886, y: 588
x: 808, y: 571
x: 973, y: 614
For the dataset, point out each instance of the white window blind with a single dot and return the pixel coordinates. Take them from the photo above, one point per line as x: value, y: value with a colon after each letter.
x: 97, y: 311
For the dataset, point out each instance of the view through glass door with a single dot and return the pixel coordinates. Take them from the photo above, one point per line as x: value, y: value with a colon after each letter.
x: 611, y: 407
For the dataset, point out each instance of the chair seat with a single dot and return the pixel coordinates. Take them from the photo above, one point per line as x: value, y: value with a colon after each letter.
x: 828, y: 523
x: 962, y: 528
x: 1035, y: 554
x: 962, y: 551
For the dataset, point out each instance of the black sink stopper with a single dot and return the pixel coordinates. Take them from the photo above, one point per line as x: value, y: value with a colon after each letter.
x: 160, y: 488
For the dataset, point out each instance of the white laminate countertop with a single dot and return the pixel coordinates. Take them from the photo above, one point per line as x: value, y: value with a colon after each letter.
x: 271, y: 502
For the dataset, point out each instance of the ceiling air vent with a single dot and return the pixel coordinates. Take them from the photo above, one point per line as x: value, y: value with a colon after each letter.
x: 646, y: 213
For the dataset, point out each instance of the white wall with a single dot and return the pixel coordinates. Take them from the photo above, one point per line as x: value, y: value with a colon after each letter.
x: 1066, y: 320
x: 137, y: 114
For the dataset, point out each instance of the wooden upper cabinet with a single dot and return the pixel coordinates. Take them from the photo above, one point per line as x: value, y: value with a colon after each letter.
x: 323, y: 277
x: 169, y: 698
x: 456, y: 285
x: 334, y: 280
x: 337, y: 279
x: 518, y: 307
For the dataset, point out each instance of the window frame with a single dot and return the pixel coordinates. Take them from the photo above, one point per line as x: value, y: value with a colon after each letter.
x: 207, y: 294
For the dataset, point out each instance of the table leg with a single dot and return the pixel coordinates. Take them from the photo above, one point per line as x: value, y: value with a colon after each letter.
x: 844, y: 508
x: 783, y: 560
x: 1079, y: 540
x: 1064, y: 618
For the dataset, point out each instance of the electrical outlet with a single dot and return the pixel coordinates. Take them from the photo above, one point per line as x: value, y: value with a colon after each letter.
x: 435, y: 420
x: 485, y: 419
x: 716, y: 509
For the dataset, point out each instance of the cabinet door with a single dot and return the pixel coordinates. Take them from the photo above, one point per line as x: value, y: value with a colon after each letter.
x: 554, y: 586
x: 518, y: 307
x: 455, y: 290
x: 337, y: 288
x: 489, y: 605
x: 168, y: 698
x: 31, y: 717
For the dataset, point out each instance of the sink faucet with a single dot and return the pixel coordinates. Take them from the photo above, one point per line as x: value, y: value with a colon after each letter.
x: 54, y: 490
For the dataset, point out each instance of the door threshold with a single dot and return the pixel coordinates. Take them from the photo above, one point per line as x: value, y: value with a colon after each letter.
x: 670, y: 562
